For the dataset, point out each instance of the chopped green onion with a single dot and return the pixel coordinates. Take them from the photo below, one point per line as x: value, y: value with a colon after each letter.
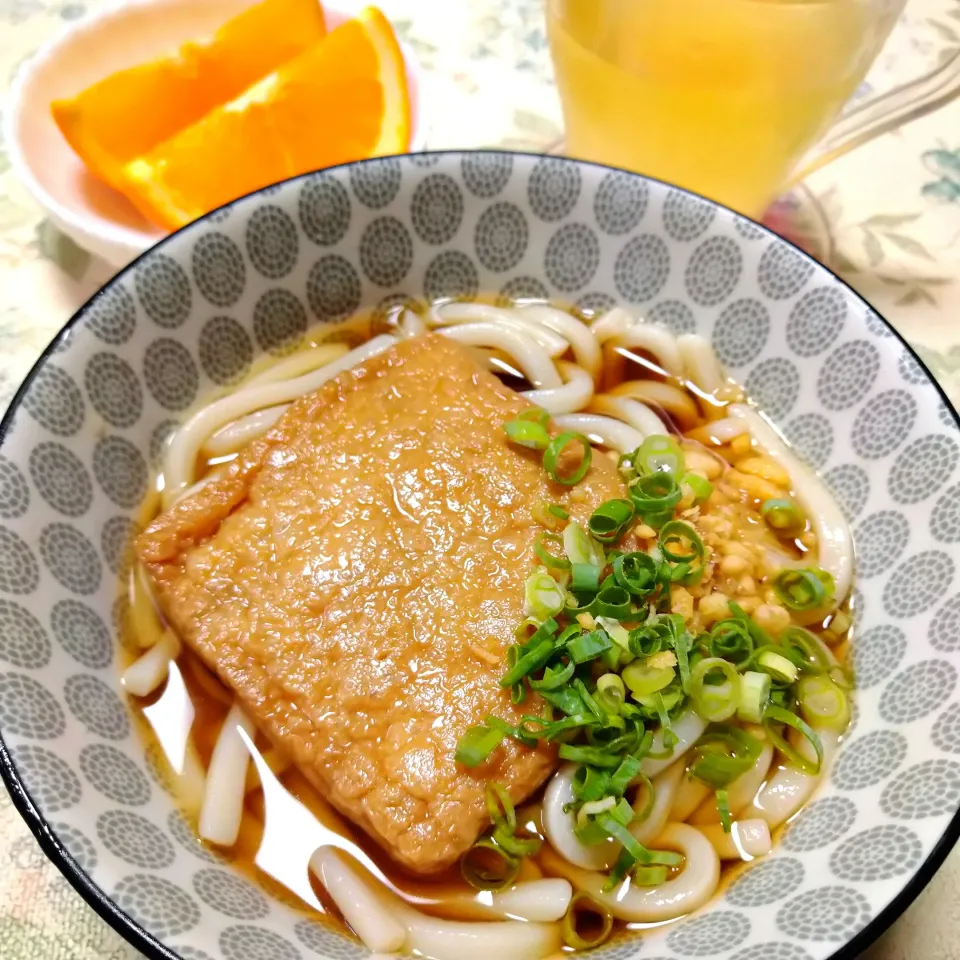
x: 652, y: 876
x: 500, y: 806
x: 611, y: 691
x: 823, y: 702
x: 528, y: 663
x: 616, y: 631
x: 485, y: 866
x: 476, y: 745
x: 625, y: 775
x: 586, y: 924
x: 589, y: 783
x: 784, y: 517
x: 681, y: 544
x: 559, y: 512
x: 611, y: 601
x: 542, y: 596
x: 778, y: 666
x: 644, y: 681
x: 754, y: 694
x: 516, y: 846
x: 701, y: 487
x: 554, y: 677
x: 551, y: 458
x: 533, y: 436
x: 610, y: 520
x: 723, y: 808
x: 731, y: 639
x: 713, y: 701
x: 803, y: 589
x: 638, y: 573
x: 658, y: 453
x: 581, y: 547
x: 584, y: 577
x: 593, y: 756
x: 655, y: 497
x: 588, y: 646
x: 722, y: 754
x: 772, y: 719
x: 805, y: 649
x: 550, y: 515
x: 548, y: 559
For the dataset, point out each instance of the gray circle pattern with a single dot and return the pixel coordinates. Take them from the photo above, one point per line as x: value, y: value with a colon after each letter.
x: 675, y: 315
x: 848, y: 374
x: 686, y: 217
x: 163, y: 289
x: 333, y: 288
x: 642, y: 268
x: 572, y: 257
x: 620, y: 203
x: 946, y: 731
x: 879, y: 853
x: 49, y: 778
x: 218, y: 269
x: 114, y: 774
x: 594, y: 304
x: 553, y: 189
x: 279, y: 322
x: 229, y: 894
x: 160, y: 906
x: 324, y: 209
x: 830, y: 913
x: 928, y: 789
x: 451, y: 274
x: 877, y: 652
x: 783, y: 271
x: 522, y: 288
x: 436, y: 210
x: 944, y: 630
x: 183, y: 832
x: 376, y: 185
x: 485, y: 175
x: 918, y: 690
x: 701, y: 936
x: 766, y: 882
x: 55, y: 402
x: 883, y: 423
x: 773, y: 951
x: 812, y: 437
x: 120, y: 470
x: 945, y: 518
x: 170, y: 374
x: 850, y: 485
x: 741, y: 332
x: 331, y: 946
x: 880, y: 539
x: 23, y: 641
x: 922, y: 467
x: 501, y: 237
x: 819, y: 824
x: 112, y: 315
x: 96, y: 706
x: 29, y: 709
x: 243, y: 942
x: 78, y: 845
x: 869, y: 759
x: 816, y: 321
x: 386, y: 251
x: 272, y: 242
x: 135, y: 840
x: 19, y: 573
x: 225, y: 351
x: 81, y: 632
x: 71, y: 558
x: 713, y: 271
x: 918, y: 584
x: 14, y: 492
x: 114, y: 389
x: 60, y: 477
x: 774, y: 385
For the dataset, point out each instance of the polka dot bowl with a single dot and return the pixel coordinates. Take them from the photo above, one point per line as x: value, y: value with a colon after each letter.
x: 80, y: 441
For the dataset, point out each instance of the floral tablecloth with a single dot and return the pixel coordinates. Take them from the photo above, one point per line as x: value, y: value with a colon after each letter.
x: 887, y: 217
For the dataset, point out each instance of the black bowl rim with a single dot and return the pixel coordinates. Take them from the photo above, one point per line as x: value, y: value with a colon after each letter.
x: 101, y: 902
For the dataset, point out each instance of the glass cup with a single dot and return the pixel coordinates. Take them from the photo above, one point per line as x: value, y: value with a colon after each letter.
x: 727, y: 97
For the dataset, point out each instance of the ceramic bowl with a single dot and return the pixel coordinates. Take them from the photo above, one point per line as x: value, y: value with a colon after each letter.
x: 93, y: 214
x: 84, y: 433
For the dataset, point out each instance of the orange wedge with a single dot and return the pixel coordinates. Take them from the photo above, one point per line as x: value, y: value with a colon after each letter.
x: 131, y: 111
x: 344, y: 99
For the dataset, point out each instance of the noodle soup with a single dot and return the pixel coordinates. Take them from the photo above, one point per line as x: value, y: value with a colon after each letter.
x: 670, y: 689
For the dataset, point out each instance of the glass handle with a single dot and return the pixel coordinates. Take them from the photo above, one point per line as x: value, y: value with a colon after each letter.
x: 886, y: 112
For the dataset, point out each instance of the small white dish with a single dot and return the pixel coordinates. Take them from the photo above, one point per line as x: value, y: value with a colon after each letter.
x: 93, y: 214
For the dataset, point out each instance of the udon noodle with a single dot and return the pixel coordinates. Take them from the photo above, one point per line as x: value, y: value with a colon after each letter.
x: 762, y: 536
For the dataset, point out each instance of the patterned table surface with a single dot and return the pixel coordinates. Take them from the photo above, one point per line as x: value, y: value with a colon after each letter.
x: 887, y: 217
